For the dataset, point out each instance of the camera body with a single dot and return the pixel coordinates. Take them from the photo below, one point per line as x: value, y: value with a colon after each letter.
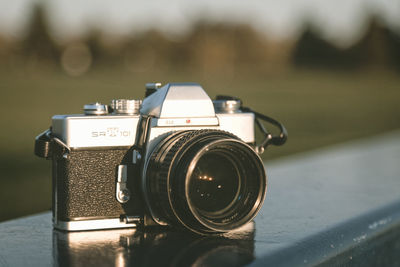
x: 146, y: 163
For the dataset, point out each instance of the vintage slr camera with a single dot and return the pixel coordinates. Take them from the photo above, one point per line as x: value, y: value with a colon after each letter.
x: 176, y: 158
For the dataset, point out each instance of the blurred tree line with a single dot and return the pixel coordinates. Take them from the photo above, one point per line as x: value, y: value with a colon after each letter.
x: 222, y: 48
x: 378, y: 48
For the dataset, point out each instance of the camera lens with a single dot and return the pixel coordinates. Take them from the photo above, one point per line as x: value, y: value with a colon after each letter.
x: 207, y: 181
x: 214, y: 183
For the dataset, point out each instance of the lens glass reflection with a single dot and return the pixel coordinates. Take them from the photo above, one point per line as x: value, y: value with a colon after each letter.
x: 214, y: 183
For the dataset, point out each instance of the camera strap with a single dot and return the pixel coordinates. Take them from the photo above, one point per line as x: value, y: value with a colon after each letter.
x: 269, y: 139
x: 45, y: 144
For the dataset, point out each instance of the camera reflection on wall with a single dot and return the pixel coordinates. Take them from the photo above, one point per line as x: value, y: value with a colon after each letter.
x: 133, y: 247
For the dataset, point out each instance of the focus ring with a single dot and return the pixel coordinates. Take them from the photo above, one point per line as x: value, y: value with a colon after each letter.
x: 164, y: 164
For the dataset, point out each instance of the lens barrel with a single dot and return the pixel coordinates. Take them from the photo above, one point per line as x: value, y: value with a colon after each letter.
x: 208, y: 181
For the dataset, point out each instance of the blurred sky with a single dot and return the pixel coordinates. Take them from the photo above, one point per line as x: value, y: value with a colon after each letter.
x: 340, y: 20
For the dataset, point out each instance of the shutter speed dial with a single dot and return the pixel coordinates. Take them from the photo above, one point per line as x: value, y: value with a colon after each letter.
x: 126, y: 106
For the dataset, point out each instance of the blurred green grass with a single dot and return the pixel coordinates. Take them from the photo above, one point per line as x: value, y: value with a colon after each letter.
x: 317, y: 108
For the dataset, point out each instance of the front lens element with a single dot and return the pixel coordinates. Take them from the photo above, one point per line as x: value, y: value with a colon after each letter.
x: 214, y: 183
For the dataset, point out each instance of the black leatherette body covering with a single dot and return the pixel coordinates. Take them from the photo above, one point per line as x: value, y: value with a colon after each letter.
x: 85, y: 183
